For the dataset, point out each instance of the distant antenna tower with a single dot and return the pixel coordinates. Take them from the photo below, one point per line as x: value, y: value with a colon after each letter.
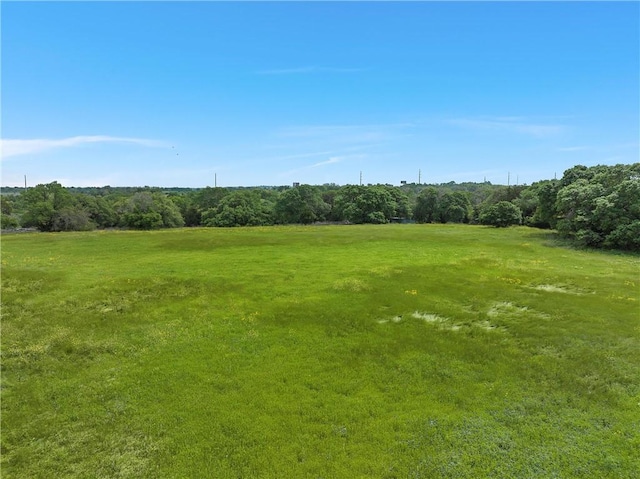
x: 509, y: 178
x: 419, y: 177
x: 215, y: 180
x: 360, y: 178
x: 25, y: 182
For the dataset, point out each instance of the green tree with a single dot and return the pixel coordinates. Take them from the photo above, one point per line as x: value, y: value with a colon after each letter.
x: 7, y: 220
x: 188, y: 209
x: 575, y: 173
x: 454, y: 207
x: 370, y: 204
x: 72, y: 218
x: 6, y: 205
x: 208, y: 198
x: 42, y: 204
x: 402, y: 208
x: 146, y: 210
x: 600, y: 206
x: 500, y: 215
x: 576, y: 203
x: 100, y: 211
x: 302, y: 204
x: 427, y: 206
x: 625, y: 236
x: 545, y: 214
x: 240, y: 208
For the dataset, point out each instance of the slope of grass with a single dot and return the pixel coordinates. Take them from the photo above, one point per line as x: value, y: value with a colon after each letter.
x: 361, y: 351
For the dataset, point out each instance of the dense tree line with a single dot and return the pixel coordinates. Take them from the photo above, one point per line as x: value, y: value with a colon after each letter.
x: 594, y: 206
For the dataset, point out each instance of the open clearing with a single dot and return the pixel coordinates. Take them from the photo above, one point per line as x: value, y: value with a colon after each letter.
x: 391, y: 351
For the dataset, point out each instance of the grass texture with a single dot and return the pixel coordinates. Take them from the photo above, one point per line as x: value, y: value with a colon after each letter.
x: 391, y: 351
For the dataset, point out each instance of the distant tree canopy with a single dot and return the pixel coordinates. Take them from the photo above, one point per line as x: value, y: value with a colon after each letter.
x: 595, y: 206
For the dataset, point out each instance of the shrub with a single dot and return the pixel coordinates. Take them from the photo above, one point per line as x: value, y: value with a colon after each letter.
x: 501, y: 215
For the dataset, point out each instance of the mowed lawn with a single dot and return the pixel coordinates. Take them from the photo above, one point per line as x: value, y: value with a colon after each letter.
x: 391, y: 351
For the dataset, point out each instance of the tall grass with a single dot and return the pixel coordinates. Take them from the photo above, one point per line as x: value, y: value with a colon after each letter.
x: 390, y: 351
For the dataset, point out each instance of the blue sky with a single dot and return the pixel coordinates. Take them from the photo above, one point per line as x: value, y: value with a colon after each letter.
x: 257, y: 93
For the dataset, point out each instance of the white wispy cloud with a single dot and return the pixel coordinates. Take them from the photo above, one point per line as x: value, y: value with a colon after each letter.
x: 333, y: 159
x: 518, y: 125
x: 306, y: 70
x: 18, y: 147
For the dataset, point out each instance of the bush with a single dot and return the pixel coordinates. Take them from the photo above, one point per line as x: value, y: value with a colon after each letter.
x: 8, y: 222
x: 625, y: 237
x: 72, y: 219
x: 146, y: 211
x: 501, y: 215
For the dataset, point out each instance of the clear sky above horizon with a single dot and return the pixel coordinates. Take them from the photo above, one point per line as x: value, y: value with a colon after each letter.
x: 257, y: 93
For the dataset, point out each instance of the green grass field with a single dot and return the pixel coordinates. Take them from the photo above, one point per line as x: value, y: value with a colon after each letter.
x: 392, y: 351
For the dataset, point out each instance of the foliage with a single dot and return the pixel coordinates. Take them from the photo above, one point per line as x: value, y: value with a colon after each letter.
x: 209, y: 198
x: 370, y: 204
x: 600, y: 206
x: 99, y: 210
x: 502, y: 214
x: 626, y: 236
x: 189, y: 210
x: 6, y: 205
x: 427, y: 206
x: 72, y: 218
x: 145, y: 210
x: 454, y: 207
x: 240, y: 208
x: 433, y: 206
x: 593, y: 206
x: 50, y: 207
x: 302, y: 204
x: 362, y: 351
x: 544, y: 215
x: 8, y: 222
